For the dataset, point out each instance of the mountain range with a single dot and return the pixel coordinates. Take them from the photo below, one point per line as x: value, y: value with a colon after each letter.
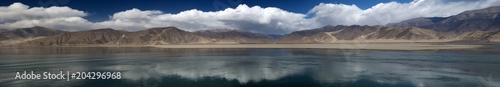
x: 482, y: 25
x: 234, y: 36
x: 486, y: 19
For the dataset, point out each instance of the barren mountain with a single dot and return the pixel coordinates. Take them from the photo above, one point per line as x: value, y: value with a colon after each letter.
x: 423, y: 22
x: 333, y: 34
x: 234, y: 36
x: 11, y: 37
x: 494, y: 37
x: 470, y: 26
x: 27, y: 33
x: 481, y: 25
x: 98, y: 36
x: 482, y: 19
x: 159, y: 36
x: 154, y: 36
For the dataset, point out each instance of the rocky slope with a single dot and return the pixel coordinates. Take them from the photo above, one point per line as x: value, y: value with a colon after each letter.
x: 162, y: 36
x: 98, y: 36
x: 423, y: 22
x: 481, y: 25
x: 154, y: 36
x: 234, y: 36
x: 494, y: 37
x: 27, y: 33
x: 333, y: 34
x: 15, y: 36
x: 486, y: 19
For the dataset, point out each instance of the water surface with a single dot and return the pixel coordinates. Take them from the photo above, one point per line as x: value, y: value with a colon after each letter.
x: 153, y: 67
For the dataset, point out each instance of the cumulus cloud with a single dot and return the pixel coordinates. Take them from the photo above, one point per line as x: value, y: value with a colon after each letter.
x: 383, y: 13
x: 18, y: 15
x: 270, y: 20
x: 255, y: 19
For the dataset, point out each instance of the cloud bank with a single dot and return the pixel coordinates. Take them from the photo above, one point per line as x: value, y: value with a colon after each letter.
x: 18, y: 15
x: 256, y: 19
x: 270, y: 20
x: 383, y: 13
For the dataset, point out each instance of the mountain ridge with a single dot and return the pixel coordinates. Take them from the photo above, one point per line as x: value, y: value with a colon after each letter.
x: 355, y: 33
x: 480, y: 19
x: 234, y: 36
x: 481, y: 25
x: 28, y: 32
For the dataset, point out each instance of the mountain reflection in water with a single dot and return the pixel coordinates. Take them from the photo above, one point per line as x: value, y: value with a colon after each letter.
x: 151, y: 67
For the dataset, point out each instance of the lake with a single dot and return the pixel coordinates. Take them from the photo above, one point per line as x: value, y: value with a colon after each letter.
x: 162, y: 67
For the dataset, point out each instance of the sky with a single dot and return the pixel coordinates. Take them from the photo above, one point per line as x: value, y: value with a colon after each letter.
x: 261, y: 16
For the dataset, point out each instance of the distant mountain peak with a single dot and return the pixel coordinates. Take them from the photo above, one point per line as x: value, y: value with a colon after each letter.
x: 220, y: 30
x: 233, y: 36
x: 169, y: 27
x: 330, y: 26
x: 165, y: 29
x: 28, y: 32
x: 34, y: 28
x: 104, y: 29
x: 481, y: 19
x: 493, y: 9
x: 224, y: 30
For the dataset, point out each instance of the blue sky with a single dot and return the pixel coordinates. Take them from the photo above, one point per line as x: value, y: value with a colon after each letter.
x: 261, y: 16
x: 101, y: 9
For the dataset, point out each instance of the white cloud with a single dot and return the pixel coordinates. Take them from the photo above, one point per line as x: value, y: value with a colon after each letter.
x: 18, y: 15
x: 383, y: 13
x: 256, y: 19
x: 269, y: 20
x: 63, y: 23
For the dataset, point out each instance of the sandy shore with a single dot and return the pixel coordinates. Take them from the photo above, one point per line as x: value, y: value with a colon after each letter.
x: 371, y: 46
x: 358, y: 46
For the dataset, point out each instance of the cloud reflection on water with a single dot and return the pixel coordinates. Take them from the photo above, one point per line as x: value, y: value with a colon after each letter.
x: 421, y: 69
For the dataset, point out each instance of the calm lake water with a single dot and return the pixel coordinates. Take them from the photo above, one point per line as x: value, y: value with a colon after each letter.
x: 153, y: 67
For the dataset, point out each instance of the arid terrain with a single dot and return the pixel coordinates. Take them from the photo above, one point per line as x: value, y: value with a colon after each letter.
x: 457, y: 28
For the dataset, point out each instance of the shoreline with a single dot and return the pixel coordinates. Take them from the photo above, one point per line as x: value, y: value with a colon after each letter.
x: 371, y: 46
x: 347, y: 46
